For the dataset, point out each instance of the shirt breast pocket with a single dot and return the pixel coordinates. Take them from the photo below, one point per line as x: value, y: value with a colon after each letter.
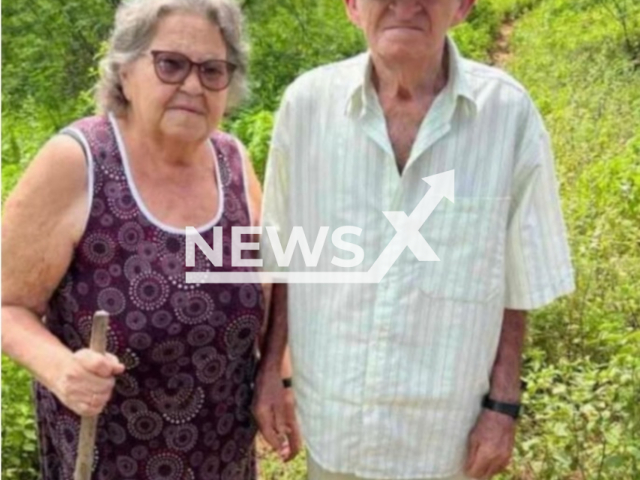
x: 468, y: 237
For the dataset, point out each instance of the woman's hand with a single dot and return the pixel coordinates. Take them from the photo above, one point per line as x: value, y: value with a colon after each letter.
x: 86, y: 381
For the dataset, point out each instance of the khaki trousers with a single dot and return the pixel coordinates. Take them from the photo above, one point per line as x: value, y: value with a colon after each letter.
x: 316, y: 472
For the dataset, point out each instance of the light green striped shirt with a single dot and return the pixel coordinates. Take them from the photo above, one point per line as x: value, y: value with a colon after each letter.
x: 389, y: 377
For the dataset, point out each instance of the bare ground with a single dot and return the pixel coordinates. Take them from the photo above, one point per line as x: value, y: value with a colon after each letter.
x: 502, y: 53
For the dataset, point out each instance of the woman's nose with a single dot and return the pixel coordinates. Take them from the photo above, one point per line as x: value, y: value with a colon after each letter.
x: 192, y: 83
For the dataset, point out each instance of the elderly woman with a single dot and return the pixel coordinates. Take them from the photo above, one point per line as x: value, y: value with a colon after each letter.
x: 98, y: 222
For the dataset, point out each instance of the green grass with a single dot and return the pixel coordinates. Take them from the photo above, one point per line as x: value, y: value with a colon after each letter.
x: 582, y: 415
x: 271, y: 468
x: 19, y: 450
x: 583, y: 361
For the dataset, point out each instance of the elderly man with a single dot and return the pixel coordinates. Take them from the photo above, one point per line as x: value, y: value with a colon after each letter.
x: 418, y: 375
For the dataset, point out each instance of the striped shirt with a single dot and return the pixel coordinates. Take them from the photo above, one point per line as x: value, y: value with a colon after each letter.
x: 389, y: 376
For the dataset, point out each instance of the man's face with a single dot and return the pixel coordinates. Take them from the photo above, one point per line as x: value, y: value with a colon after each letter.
x: 405, y: 29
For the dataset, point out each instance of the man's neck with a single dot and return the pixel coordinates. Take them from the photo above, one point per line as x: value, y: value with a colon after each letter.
x: 410, y: 80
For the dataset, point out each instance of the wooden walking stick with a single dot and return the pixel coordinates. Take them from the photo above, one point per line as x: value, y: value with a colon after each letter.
x: 88, y: 425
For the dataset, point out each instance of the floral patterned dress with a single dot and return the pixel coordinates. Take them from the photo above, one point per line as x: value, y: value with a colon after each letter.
x: 181, y: 410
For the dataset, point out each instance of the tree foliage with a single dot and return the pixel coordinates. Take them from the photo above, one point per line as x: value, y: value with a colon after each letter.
x: 49, y: 52
x: 578, y: 58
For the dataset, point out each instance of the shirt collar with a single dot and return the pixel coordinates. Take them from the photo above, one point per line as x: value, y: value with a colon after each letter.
x: 457, y: 84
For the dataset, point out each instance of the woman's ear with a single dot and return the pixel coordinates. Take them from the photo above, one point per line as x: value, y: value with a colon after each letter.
x: 124, y: 80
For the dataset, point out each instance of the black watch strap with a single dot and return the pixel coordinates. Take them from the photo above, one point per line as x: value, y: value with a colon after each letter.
x: 511, y: 409
x: 287, y: 382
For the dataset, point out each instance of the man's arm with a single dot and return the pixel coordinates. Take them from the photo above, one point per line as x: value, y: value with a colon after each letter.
x: 274, y: 406
x: 276, y: 338
x: 535, y: 234
x: 505, y: 376
x: 492, y: 439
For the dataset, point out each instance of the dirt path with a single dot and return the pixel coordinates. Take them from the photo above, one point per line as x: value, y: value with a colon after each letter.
x: 502, y: 53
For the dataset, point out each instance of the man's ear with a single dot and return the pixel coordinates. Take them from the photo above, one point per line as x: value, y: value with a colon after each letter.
x: 462, y: 12
x: 353, y: 11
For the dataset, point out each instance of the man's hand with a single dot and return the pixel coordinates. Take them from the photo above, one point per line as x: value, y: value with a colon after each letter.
x: 274, y: 411
x: 291, y: 425
x: 490, y: 445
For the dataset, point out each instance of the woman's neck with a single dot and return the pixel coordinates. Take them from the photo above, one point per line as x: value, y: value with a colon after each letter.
x: 159, y: 150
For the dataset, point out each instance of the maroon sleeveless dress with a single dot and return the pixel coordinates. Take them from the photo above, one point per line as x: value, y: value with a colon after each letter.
x: 181, y: 410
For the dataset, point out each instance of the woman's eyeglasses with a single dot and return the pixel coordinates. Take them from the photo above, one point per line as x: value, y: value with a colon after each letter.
x: 174, y: 68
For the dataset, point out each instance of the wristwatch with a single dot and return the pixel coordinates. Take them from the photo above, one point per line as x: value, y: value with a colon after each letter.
x: 287, y: 382
x: 511, y: 409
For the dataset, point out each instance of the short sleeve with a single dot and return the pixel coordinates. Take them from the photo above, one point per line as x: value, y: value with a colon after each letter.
x: 538, y: 262
x: 275, y: 205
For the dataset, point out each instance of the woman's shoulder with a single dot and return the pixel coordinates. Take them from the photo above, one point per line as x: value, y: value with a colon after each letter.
x: 229, y: 144
x: 60, y: 164
x: 53, y: 188
x: 88, y: 124
x: 225, y: 138
x: 96, y: 136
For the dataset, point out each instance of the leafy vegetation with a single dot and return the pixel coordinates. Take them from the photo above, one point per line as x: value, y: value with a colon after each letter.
x: 580, y: 61
x: 584, y: 359
x: 287, y: 38
x: 19, y: 447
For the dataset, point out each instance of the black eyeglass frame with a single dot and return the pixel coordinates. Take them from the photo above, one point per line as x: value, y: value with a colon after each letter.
x: 231, y: 68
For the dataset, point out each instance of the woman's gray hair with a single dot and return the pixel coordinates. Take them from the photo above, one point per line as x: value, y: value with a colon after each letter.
x: 135, y: 25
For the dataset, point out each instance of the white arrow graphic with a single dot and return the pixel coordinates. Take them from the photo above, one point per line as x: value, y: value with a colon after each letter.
x: 408, y: 228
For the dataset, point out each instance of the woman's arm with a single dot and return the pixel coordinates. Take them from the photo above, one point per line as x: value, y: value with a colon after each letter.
x: 43, y: 219
x: 254, y: 194
x: 254, y: 189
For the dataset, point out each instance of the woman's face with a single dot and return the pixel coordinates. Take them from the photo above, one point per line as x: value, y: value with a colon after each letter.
x: 184, y: 111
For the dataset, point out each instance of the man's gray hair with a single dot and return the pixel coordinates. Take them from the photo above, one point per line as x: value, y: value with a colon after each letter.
x: 135, y: 25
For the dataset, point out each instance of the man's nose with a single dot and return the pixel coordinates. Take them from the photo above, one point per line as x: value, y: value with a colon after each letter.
x: 406, y: 9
